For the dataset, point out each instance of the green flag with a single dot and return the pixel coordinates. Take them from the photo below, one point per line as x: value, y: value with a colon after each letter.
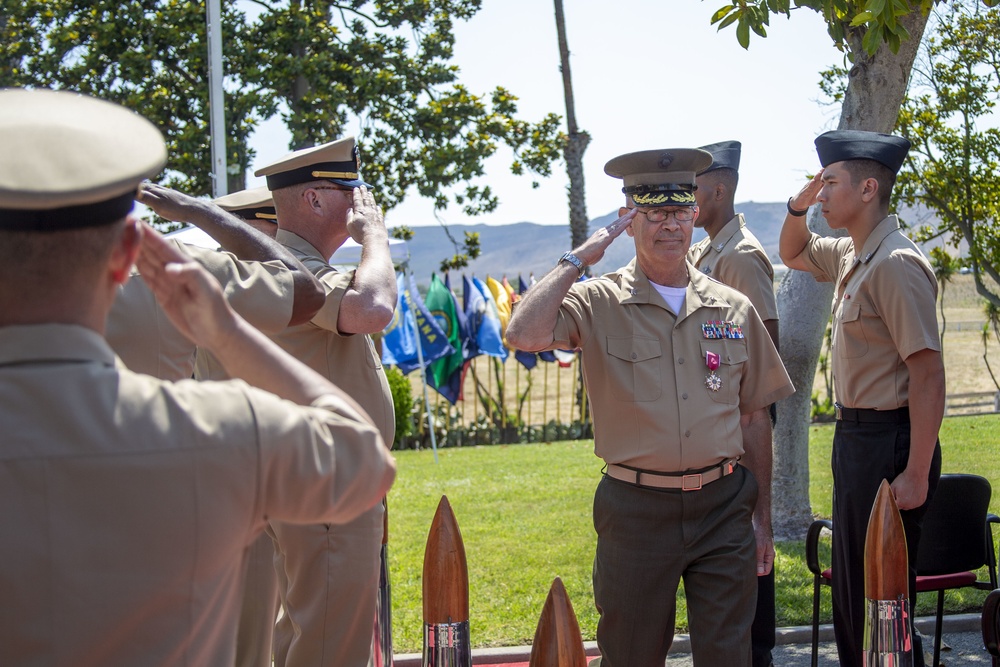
x: 441, y: 304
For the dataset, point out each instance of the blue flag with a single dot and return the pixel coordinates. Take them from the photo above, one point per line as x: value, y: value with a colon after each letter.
x: 489, y: 336
x: 412, y: 319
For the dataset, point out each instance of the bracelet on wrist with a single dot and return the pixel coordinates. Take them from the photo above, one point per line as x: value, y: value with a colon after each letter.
x: 570, y: 258
x: 793, y: 211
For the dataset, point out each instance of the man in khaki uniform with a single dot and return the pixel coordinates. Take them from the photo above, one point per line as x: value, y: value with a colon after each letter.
x: 732, y: 255
x: 328, y: 575
x: 262, y: 281
x: 680, y: 371
x: 260, y: 603
x: 127, y: 502
x: 887, y: 368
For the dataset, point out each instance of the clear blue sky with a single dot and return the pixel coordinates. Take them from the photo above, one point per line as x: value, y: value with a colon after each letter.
x: 646, y: 74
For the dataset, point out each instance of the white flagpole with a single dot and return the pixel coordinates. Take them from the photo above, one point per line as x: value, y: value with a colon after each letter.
x: 216, y: 98
x: 423, y: 377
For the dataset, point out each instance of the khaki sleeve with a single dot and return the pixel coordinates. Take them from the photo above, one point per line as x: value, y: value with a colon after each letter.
x: 261, y: 292
x: 824, y: 254
x: 573, y: 323
x: 318, y: 464
x: 335, y: 284
x: 764, y: 380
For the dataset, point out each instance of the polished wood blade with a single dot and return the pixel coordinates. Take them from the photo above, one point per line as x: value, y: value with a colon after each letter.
x: 558, y: 642
x: 885, y: 549
x: 446, y: 571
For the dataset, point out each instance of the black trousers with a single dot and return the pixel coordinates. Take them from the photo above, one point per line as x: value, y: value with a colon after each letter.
x: 763, y: 628
x: 864, y: 455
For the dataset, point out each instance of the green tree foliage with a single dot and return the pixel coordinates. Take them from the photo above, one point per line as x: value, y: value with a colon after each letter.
x: 881, y: 19
x: 325, y: 66
x: 950, y: 115
x: 148, y: 56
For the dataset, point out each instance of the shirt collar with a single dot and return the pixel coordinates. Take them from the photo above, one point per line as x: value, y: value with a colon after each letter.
x: 293, y: 240
x: 635, y: 287
x: 727, y: 233
x: 874, y: 240
x: 34, y: 343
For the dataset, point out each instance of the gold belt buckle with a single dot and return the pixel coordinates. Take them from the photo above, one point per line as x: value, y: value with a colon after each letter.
x: 837, y: 412
x: 691, y: 482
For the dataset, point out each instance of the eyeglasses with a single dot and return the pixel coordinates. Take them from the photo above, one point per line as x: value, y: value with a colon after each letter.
x: 684, y: 214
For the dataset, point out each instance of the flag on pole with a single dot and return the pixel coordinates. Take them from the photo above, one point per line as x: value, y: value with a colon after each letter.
x: 483, y: 320
x: 490, y: 334
x: 502, y: 299
x: 410, y: 321
x: 445, y: 374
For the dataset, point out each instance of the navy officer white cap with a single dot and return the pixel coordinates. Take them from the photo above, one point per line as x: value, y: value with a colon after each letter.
x: 70, y: 160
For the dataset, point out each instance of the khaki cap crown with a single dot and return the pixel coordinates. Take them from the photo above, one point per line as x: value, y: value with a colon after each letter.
x: 63, y: 150
x: 662, y: 177
x: 336, y: 161
x: 249, y: 204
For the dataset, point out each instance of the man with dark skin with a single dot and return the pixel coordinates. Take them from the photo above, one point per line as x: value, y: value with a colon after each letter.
x: 732, y: 254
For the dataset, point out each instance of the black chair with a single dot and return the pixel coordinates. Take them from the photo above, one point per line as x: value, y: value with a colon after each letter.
x: 991, y: 625
x: 956, y: 540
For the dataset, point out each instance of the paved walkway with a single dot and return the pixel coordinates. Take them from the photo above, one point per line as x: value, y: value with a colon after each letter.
x: 962, y: 634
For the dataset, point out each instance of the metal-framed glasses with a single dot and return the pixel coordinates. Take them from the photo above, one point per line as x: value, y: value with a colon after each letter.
x: 681, y: 214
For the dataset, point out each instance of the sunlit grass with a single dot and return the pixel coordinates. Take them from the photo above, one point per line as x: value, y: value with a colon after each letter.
x: 525, y: 516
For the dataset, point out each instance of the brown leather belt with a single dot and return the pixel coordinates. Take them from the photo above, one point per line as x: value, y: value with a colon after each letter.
x: 685, y: 481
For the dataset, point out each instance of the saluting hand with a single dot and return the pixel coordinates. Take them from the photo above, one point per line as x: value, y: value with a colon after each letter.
x: 592, y: 250
x: 167, y: 203
x: 365, y: 219
x: 806, y: 197
x: 188, y: 294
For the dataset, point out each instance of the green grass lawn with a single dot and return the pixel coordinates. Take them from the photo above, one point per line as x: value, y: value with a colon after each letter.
x: 525, y: 516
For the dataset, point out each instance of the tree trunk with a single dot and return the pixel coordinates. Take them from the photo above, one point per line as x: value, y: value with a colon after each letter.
x: 875, y: 91
x: 576, y: 142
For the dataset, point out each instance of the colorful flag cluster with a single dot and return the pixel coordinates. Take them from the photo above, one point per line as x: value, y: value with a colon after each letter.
x: 450, y: 336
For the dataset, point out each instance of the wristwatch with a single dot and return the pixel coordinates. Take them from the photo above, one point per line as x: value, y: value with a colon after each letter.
x: 574, y: 260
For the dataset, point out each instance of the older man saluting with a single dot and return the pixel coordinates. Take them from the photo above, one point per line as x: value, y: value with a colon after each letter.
x: 680, y: 371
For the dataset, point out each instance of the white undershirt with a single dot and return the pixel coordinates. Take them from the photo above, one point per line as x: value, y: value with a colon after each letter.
x: 674, y: 296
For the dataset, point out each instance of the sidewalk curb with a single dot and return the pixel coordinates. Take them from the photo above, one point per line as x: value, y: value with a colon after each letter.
x: 798, y: 634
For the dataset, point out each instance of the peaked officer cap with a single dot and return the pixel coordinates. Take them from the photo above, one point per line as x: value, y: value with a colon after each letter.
x: 663, y: 177
x: 71, y: 161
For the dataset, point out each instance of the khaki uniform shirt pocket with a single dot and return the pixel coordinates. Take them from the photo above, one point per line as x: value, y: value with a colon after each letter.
x: 634, y: 369
x: 852, y: 342
x: 732, y: 356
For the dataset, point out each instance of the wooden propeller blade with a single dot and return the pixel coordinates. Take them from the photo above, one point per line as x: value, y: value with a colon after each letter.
x: 446, y: 571
x: 558, y: 642
x: 886, y: 567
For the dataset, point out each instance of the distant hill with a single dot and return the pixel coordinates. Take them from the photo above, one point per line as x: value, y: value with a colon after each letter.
x: 524, y: 248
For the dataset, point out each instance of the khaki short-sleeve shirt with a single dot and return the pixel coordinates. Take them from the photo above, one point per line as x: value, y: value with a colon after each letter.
x: 147, y: 342
x: 126, y: 502
x: 350, y: 361
x: 646, y: 372
x: 883, y: 311
x: 735, y: 257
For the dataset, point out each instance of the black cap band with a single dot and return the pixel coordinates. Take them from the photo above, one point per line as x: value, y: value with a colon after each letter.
x: 68, y: 217
x: 322, y: 171
x: 664, y: 194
